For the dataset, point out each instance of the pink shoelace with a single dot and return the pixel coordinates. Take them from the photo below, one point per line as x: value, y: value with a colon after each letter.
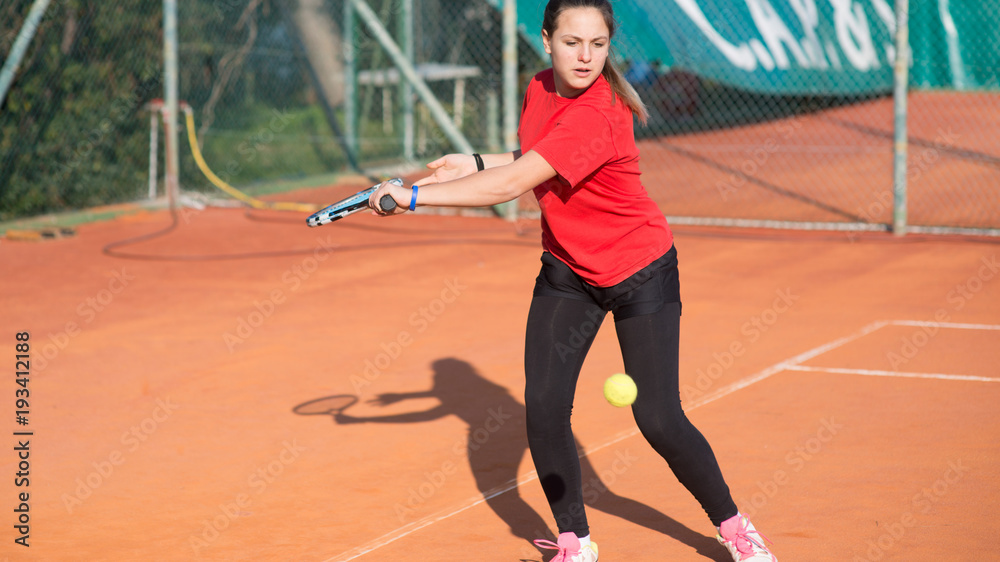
x: 744, y: 542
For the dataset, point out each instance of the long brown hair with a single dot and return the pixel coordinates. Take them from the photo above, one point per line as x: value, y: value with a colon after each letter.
x: 619, y: 86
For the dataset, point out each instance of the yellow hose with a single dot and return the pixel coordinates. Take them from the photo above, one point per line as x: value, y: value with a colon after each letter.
x: 217, y: 181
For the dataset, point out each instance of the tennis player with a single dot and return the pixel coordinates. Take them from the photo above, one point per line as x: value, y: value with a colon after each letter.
x: 607, y: 247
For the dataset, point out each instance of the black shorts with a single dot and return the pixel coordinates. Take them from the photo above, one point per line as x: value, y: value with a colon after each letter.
x: 645, y: 292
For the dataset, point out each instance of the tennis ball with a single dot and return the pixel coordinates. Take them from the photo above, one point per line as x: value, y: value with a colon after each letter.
x: 620, y: 390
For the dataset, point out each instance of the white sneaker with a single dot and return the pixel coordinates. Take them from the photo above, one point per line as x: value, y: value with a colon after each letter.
x: 569, y: 549
x: 745, y: 544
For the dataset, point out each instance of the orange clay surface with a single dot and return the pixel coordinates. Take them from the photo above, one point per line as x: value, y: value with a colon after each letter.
x: 848, y: 384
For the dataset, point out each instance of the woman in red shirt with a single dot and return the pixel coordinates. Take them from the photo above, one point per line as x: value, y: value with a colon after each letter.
x: 607, y: 247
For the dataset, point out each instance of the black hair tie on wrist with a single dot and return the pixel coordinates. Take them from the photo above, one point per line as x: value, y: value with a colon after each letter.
x: 479, y: 162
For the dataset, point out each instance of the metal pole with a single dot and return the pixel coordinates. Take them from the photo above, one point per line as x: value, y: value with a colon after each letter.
x: 410, y: 74
x: 901, y: 80
x: 350, y: 83
x: 510, y: 85
x: 20, y: 46
x: 154, y: 135
x: 511, y: 105
x: 405, y: 89
x: 172, y: 185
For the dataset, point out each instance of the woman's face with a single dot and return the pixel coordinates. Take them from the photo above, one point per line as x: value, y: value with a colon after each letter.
x: 579, y: 45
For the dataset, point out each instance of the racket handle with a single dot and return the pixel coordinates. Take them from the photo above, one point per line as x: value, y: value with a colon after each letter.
x: 387, y: 203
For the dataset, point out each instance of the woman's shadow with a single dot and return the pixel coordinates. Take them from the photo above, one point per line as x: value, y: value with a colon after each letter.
x: 495, y: 446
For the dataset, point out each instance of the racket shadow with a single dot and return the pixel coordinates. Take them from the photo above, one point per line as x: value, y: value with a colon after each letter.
x: 496, y: 445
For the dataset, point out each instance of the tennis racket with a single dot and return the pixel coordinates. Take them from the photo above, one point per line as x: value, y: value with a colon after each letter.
x: 351, y: 205
x: 326, y: 406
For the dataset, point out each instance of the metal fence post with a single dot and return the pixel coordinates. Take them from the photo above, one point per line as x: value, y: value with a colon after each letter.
x: 409, y: 73
x: 172, y: 184
x: 405, y: 89
x: 901, y: 77
x: 350, y: 82
x: 511, y: 105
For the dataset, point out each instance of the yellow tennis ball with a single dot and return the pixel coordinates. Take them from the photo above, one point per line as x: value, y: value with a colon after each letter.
x: 620, y: 390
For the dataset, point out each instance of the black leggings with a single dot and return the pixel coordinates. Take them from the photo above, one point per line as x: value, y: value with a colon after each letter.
x: 564, y: 318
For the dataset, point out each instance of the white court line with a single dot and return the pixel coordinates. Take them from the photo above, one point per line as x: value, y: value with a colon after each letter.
x: 881, y: 373
x: 415, y: 526
x: 877, y: 373
x: 956, y: 325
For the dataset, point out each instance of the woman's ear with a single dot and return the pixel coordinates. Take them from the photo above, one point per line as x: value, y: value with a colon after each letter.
x: 546, y: 41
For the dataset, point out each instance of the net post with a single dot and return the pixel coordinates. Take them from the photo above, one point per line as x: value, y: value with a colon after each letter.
x: 900, y: 83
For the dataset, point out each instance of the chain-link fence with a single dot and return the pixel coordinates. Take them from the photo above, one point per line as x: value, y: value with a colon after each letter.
x: 785, y: 114
x: 268, y: 81
x: 770, y: 112
x: 71, y: 135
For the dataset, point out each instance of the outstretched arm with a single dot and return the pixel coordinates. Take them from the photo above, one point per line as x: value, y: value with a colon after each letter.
x: 409, y: 417
x: 496, y: 184
x: 454, y: 166
x: 391, y: 398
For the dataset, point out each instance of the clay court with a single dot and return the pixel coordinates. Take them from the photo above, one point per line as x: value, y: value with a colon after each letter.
x: 191, y: 379
x: 178, y: 392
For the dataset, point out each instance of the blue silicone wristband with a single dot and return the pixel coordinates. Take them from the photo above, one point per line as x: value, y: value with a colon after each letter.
x: 413, y: 198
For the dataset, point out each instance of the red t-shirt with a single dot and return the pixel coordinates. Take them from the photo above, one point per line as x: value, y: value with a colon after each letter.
x: 596, y: 215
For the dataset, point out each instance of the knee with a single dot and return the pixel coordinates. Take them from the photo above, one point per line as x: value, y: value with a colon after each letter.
x: 665, y: 431
x: 547, y: 408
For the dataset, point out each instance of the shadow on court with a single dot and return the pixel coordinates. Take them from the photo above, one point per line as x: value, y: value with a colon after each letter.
x: 495, y: 446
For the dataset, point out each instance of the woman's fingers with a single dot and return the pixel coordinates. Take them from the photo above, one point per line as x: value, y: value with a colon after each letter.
x: 375, y: 199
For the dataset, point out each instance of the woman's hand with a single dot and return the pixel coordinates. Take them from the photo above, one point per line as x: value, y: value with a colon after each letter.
x: 450, y: 167
x: 401, y: 195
